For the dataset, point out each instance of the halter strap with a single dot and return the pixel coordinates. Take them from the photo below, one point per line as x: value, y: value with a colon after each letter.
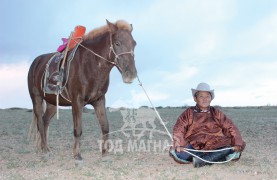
x: 116, y: 56
x: 98, y: 55
x: 115, y: 62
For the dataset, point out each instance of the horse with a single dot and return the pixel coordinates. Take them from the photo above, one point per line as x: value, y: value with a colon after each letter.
x: 101, y: 49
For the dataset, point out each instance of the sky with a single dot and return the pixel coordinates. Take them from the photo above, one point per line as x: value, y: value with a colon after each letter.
x: 230, y: 44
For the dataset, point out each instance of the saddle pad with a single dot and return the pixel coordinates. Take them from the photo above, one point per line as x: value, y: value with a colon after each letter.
x: 53, y: 73
x: 63, y: 46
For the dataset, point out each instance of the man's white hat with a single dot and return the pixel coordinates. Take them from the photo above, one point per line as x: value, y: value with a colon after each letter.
x: 203, y: 87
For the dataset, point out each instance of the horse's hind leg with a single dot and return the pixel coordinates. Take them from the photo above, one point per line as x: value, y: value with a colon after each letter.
x: 42, y: 121
x: 39, y: 111
x: 49, y: 113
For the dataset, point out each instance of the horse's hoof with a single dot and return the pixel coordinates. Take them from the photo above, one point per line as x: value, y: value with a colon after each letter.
x: 104, y: 152
x: 106, y: 158
x: 79, y: 163
x: 45, y: 157
x: 78, y: 160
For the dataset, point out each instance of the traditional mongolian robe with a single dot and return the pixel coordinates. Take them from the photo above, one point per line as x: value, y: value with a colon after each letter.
x: 206, y: 130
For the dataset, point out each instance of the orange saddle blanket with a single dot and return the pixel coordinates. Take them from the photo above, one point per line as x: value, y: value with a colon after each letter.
x: 77, y: 35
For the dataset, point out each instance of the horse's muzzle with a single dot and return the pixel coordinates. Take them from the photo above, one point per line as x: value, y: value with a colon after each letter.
x: 129, y: 76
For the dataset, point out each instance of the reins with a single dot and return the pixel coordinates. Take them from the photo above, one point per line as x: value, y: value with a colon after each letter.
x: 116, y: 56
x: 217, y: 150
x: 114, y: 63
x: 158, y: 115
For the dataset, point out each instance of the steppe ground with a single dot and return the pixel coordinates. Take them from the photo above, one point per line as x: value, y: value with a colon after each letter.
x: 145, y: 158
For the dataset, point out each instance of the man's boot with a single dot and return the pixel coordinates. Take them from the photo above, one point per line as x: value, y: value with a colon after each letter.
x: 213, y: 157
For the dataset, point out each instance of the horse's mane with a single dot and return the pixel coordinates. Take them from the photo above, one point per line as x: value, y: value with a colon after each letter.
x: 121, y: 24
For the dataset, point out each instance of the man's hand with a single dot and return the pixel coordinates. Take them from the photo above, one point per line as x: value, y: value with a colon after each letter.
x: 237, y: 149
x: 178, y: 149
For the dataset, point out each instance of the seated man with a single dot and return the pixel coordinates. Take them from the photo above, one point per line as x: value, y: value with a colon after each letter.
x: 203, y: 127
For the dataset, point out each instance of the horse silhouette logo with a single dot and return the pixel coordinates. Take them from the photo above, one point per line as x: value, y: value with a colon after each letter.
x: 136, y: 122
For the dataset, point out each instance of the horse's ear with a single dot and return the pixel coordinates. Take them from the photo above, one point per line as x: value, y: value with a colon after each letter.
x: 131, y: 27
x: 112, y: 27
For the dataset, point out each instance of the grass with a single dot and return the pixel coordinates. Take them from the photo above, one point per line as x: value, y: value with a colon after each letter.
x: 19, y: 160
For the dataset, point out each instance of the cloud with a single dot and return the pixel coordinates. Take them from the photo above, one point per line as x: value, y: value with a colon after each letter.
x: 14, y: 91
x: 254, y: 85
x: 139, y: 98
x: 244, y: 96
x: 179, y: 45
x: 241, y: 83
x: 258, y: 39
x: 179, y: 76
x: 202, y: 43
x: 183, y: 16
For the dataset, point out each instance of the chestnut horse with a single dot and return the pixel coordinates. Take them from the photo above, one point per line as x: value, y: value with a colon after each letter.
x: 88, y: 81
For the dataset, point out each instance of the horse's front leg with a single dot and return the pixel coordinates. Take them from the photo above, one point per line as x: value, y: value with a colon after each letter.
x: 100, y: 111
x: 77, y: 122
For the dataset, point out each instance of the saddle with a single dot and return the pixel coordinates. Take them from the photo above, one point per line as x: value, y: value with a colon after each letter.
x: 57, y: 69
x: 56, y: 78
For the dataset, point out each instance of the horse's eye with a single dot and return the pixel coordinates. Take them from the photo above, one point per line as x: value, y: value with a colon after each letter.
x: 117, y: 43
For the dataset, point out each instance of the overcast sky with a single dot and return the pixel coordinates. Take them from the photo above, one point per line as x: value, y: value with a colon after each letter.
x: 230, y: 44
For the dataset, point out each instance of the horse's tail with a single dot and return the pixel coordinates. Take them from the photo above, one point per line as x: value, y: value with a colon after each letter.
x: 33, y: 129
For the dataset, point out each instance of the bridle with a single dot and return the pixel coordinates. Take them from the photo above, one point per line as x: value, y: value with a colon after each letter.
x: 116, y: 56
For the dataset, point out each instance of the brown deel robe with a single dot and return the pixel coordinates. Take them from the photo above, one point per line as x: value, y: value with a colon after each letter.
x: 206, y: 130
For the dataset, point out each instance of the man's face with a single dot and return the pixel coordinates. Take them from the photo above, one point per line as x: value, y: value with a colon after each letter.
x: 203, y: 99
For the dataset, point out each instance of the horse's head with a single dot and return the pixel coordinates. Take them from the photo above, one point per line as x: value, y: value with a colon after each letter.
x: 122, y: 47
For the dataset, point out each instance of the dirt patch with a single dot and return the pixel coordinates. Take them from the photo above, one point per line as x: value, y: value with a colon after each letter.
x: 132, y: 157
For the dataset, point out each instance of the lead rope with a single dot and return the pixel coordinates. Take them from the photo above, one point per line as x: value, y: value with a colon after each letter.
x: 185, y: 149
x: 159, y: 117
x: 57, y: 101
x: 212, y: 162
